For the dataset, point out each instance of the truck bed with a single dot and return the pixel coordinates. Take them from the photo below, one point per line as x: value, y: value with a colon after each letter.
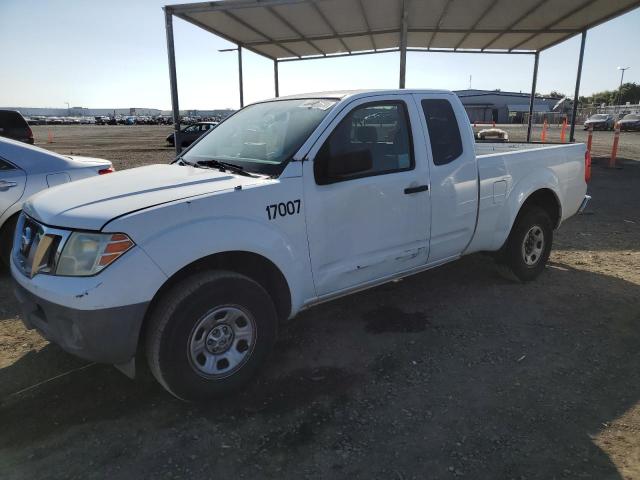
x: 507, y: 169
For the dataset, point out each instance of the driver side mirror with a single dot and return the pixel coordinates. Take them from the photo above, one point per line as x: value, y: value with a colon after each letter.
x: 334, y: 168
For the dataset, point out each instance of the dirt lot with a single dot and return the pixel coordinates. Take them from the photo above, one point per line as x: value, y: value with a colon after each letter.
x: 451, y: 373
x: 132, y: 146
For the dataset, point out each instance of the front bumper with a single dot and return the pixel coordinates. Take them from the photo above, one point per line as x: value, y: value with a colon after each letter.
x: 97, y: 318
x: 108, y: 335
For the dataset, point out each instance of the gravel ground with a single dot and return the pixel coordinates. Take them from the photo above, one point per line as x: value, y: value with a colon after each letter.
x: 453, y: 373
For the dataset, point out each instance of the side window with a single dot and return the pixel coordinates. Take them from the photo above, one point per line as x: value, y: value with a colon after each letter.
x: 5, y: 166
x: 377, y: 132
x: 444, y: 133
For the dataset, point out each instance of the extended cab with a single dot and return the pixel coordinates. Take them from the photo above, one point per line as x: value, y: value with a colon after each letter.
x: 287, y: 203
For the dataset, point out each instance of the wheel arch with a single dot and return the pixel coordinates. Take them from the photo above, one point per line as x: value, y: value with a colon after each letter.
x: 546, y: 199
x: 543, y: 197
x: 253, y: 265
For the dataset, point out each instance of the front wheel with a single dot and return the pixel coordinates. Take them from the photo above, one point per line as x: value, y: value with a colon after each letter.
x: 529, y: 245
x: 209, y: 334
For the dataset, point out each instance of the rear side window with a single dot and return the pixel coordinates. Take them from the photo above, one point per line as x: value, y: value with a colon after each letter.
x: 11, y: 119
x: 446, y: 143
x: 5, y: 166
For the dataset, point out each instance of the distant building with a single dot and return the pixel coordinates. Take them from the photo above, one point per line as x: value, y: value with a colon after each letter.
x: 502, y: 107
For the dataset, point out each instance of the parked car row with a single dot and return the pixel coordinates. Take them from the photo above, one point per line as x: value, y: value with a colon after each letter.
x: 116, y: 120
x: 42, y: 120
x: 607, y: 121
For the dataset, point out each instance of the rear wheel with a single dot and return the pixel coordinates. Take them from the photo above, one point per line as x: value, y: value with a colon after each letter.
x: 528, y: 246
x: 6, y: 240
x: 209, y: 334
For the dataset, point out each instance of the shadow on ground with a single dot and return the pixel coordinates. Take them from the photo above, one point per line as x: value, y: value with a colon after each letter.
x: 451, y: 372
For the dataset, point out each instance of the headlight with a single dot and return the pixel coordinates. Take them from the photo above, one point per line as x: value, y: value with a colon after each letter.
x: 86, y: 254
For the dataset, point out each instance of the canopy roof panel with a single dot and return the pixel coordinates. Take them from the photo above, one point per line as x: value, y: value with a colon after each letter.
x: 290, y: 29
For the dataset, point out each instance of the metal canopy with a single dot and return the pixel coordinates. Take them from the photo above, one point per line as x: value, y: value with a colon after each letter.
x: 292, y: 30
x: 296, y: 29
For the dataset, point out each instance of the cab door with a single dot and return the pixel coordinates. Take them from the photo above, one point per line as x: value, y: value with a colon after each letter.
x: 12, y: 184
x: 367, y: 224
x: 454, y: 174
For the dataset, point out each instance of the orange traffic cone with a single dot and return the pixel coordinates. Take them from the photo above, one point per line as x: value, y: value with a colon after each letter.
x: 50, y: 137
x: 614, y: 148
x: 563, y: 131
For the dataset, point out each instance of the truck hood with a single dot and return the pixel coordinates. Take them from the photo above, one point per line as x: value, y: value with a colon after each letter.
x: 91, y: 203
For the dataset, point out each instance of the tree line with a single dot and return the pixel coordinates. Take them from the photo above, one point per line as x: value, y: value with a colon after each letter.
x: 629, y: 92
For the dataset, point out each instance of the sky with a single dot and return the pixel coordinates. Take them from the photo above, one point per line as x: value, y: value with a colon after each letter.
x: 112, y: 54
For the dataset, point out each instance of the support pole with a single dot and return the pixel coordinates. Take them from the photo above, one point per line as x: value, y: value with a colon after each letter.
x: 533, y: 95
x: 577, y: 91
x: 240, y: 76
x: 403, y: 46
x: 275, y: 77
x: 173, y: 79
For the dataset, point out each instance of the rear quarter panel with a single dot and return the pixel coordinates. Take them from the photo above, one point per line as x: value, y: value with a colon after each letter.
x: 508, y: 179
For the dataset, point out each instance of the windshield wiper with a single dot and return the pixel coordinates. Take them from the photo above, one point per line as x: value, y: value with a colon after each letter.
x: 223, y: 166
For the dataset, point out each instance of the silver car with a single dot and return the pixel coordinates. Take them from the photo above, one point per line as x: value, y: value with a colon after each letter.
x: 600, y: 121
x: 26, y: 170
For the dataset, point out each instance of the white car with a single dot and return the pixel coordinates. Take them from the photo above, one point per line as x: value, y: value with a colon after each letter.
x: 25, y: 170
x: 286, y: 204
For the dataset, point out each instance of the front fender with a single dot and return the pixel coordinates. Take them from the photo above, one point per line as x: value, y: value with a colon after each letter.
x: 198, y: 235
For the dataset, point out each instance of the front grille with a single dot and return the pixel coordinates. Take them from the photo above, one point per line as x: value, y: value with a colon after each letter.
x: 36, y: 247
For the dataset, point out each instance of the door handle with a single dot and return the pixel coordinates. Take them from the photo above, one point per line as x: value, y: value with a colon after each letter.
x: 5, y: 184
x: 420, y: 188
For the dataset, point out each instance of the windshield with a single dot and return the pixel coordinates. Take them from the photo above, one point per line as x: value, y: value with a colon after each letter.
x: 599, y: 117
x: 632, y: 116
x: 263, y: 137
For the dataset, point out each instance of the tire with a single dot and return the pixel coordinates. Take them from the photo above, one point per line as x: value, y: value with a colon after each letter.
x: 6, y: 240
x: 203, y: 322
x: 529, y: 245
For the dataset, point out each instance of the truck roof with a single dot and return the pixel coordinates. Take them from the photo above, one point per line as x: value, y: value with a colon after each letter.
x: 342, y: 94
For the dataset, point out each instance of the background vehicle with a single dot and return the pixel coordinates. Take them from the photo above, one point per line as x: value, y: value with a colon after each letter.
x: 600, y: 121
x: 492, y: 135
x: 630, y: 122
x: 13, y: 125
x: 190, y: 134
x: 25, y: 170
x: 286, y: 204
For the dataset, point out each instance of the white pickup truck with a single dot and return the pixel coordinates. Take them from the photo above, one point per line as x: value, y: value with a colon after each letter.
x: 288, y: 203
